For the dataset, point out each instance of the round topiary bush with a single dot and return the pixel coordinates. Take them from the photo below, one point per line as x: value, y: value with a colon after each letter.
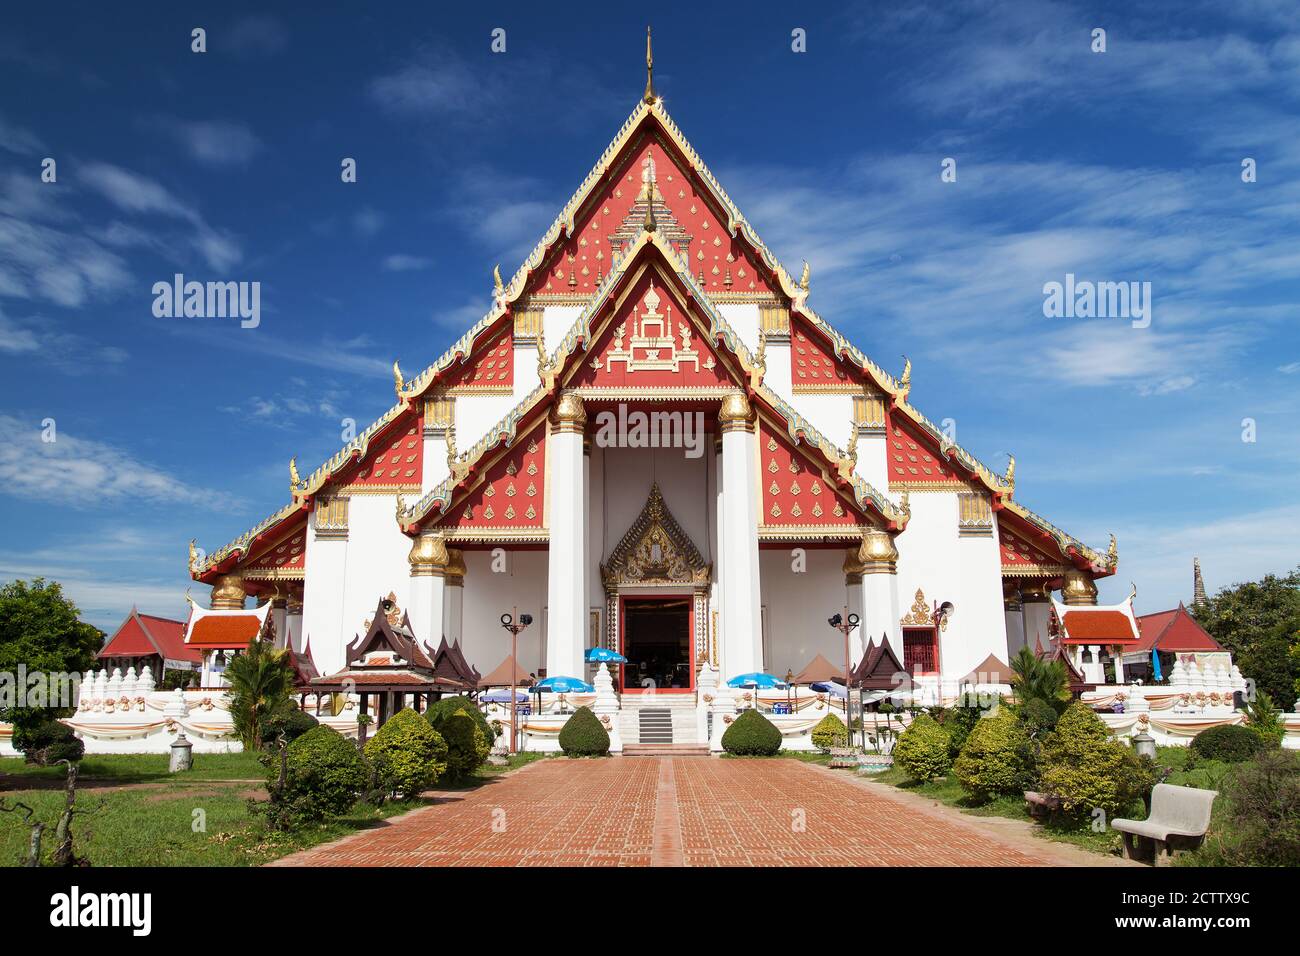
x: 1229, y: 743
x: 996, y: 758
x: 1089, y: 770
x: 751, y: 735
x: 48, y: 742
x: 465, y: 746
x: 447, y: 706
x: 583, y: 735
x: 829, y: 732
x: 293, y: 722
x: 408, y: 755
x: 1039, y: 717
x: 959, y: 722
x: 323, y: 775
x: 922, y: 749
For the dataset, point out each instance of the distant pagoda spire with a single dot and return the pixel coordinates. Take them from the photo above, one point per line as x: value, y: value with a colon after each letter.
x: 1198, y: 584
x: 649, y: 69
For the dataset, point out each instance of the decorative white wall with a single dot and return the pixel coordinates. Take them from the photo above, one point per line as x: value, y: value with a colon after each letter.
x: 797, y: 606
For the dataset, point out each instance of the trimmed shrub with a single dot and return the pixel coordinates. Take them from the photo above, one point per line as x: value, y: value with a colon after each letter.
x: 323, y: 775
x: 959, y: 722
x: 408, y: 755
x: 583, y: 735
x: 292, y: 721
x: 1088, y: 770
x: 465, y: 746
x: 922, y: 750
x: 996, y: 758
x: 47, y: 743
x: 1039, y: 718
x: 447, y: 706
x: 751, y: 735
x: 829, y: 732
x: 1230, y: 744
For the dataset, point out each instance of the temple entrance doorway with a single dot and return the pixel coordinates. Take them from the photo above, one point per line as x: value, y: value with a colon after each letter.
x: 655, y: 637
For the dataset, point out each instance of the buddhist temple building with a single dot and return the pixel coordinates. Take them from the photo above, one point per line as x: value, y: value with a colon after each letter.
x: 654, y: 444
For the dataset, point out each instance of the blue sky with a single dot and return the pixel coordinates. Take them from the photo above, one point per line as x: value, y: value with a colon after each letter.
x: 1115, y: 166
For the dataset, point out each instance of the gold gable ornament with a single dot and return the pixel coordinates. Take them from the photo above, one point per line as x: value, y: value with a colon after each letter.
x: 655, y: 550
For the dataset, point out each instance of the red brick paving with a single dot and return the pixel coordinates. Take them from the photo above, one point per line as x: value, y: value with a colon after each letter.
x: 670, y: 811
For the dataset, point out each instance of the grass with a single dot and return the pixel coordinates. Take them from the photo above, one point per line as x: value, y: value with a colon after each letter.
x: 198, y: 818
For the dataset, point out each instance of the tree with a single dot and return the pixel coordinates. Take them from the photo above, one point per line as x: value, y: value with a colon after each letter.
x: 261, y: 680
x: 1259, y: 623
x: 1037, y: 679
x: 40, y: 632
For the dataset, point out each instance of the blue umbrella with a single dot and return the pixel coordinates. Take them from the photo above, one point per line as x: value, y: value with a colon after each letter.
x: 502, y: 696
x: 598, y: 655
x: 1155, y: 665
x: 757, y: 680
x: 563, y: 685
x: 830, y: 687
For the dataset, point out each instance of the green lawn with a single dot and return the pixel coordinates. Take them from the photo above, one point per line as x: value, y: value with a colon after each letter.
x: 199, y: 818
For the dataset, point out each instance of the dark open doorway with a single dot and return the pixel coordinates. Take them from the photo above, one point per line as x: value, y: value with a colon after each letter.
x: 656, y: 641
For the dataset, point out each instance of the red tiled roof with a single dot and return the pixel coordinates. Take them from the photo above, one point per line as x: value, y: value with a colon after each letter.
x: 1098, y: 627
x: 225, y: 632
x: 143, y: 635
x: 1174, y: 630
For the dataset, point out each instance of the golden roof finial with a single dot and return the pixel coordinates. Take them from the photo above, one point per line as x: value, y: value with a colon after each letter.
x: 1010, y: 477
x: 451, y: 452
x: 905, y: 383
x: 1112, y: 553
x: 397, y: 378
x: 649, y: 69
x: 649, y: 224
x: 294, y: 481
x: 497, y: 285
x: 803, y: 279
x: 853, y: 444
x: 194, y: 554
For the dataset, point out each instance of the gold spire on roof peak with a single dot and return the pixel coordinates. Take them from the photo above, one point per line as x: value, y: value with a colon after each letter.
x: 649, y: 224
x: 649, y: 69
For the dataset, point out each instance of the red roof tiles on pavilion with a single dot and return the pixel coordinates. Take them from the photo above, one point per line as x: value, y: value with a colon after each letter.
x: 1173, y: 631
x: 144, y: 635
x: 227, y: 630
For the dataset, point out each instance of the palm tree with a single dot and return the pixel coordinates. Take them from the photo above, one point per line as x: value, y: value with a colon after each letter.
x: 1037, y: 679
x: 260, y: 683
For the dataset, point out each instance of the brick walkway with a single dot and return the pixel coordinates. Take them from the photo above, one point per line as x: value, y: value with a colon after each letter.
x: 673, y: 811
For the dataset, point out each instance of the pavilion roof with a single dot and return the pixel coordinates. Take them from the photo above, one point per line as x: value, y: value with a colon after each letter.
x: 817, y: 670
x: 1104, y: 624
x: 989, y: 671
x: 227, y: 629
x: 1173, y: 631
x: 505, y: 673
x: 146, y: 635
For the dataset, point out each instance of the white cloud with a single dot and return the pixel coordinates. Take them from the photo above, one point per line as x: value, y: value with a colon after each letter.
x: 401, y: 262
x: 85, y: 473
x: 213, y: 142
x: 18, y: 140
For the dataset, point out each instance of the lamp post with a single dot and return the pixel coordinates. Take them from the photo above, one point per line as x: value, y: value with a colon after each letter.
x: 845, y: 624
x: 508, y: 622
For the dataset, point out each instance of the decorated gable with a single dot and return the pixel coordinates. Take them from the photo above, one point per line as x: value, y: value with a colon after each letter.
x: 285, y: 558
x: 648, y: 178
x: 392, y: 461
x: 1023, y: 557
x: 512, y: 494
x: 491, y: 370
x: 650, y: 343
x: 913, y: 459
x: 812, y: 366
x: 796, y: 493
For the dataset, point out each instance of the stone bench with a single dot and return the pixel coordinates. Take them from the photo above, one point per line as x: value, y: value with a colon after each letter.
x: 1179, y: 819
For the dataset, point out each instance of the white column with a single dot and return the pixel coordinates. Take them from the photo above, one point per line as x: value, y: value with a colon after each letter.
x: 719, y: 558
x: 293, y: 623
x: 279, y: 620
x: 1037, y: 611
x: 878, y: 556
x: 1013, y: 611
x: 566, y: 570
x: 855, y: 603
x: 741, y: 619
x: 428, y: 560
x: 453, y: 606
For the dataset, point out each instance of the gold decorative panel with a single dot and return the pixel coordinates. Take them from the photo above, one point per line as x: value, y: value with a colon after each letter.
x: 774, y: 320
x: 331, y: 518
x: 974, y: 515
x: 869, y: 412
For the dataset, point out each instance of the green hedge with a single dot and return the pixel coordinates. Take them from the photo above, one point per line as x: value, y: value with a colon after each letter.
x: 922, y: 749
x: 466, y: 749
x: 1230, y: 744
x: 293, y: 722
x: 583, y: 735
x: 447, y: 706
x: 1088, y: 769
x: 324, y: 775
x: 408, y: 755
x: 996, y: 758
x: 830, y: 732
x: 751, y: 735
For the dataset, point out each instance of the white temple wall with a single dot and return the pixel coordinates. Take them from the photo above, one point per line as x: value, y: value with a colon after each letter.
x: 796, y: 607
x: 375, y: 565
x: 831, y: 415
x: 948, y: 567
x: 595, y: 462
x: 556, y: 322
x: 520, y: 586
x: 525, y: 367
x: 322, y: 603
x: 475, y: 414
x: 627, y: 476
x: 743, y: 318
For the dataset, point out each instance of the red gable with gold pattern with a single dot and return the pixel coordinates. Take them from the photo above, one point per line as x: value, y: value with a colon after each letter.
x: 492, y: 370
x: 615, y: 215
x: 393, y: 460
x: 913, y: 458
x: 1022, y: 553
x: 796, y: 493
x: 286, y: 558
x: 512, y: 494
x: 813, y: 368
x: 651, y: 343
